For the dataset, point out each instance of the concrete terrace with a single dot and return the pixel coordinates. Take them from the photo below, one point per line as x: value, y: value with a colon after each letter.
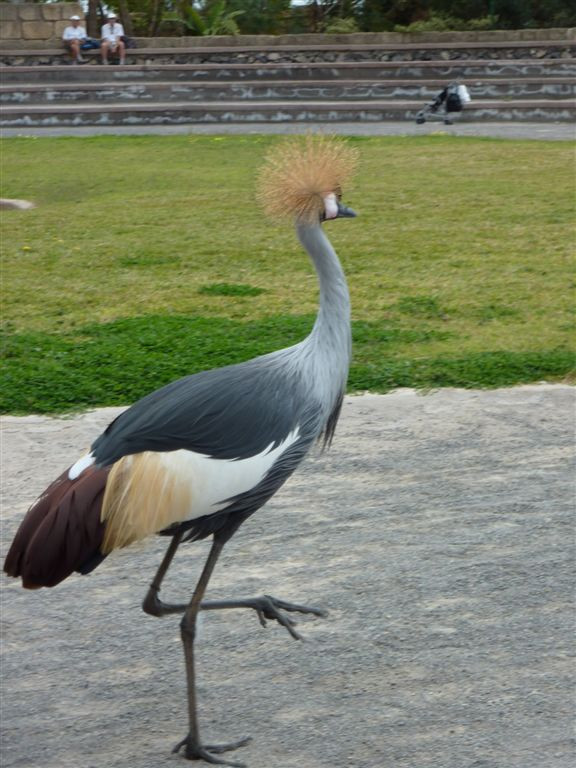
x: 289, y: 81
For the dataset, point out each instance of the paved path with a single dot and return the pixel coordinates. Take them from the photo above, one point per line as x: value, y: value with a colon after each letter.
x: 548, y: 131
x: 438, y: 533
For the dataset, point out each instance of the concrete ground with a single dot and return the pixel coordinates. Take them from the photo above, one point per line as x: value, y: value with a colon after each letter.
x: 547, y: 131
x: 437, y: 532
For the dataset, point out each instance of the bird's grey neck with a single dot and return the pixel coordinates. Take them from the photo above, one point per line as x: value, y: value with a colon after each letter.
x: 330, y: 337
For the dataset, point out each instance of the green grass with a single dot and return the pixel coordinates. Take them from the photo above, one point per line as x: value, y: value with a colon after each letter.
x: 230, y: 289
x: 147, y: 258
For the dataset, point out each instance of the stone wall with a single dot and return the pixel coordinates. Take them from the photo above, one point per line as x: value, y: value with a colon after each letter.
x: 33, y: 22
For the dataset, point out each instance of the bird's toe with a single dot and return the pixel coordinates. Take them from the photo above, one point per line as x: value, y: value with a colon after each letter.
x: 272, y: 609
x: 296, y: 608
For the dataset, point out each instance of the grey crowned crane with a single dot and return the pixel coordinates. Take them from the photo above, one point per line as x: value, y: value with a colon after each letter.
x: 197, y: 457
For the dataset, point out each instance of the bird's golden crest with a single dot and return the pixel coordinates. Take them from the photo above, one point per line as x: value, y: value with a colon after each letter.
x: 299, y: 173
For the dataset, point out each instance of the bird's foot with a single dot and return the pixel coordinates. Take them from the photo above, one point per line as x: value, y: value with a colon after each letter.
x: 268, y: 609
x: 195, y: 751
x: 271, y: 608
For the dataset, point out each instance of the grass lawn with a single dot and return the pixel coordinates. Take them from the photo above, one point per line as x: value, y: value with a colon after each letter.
x: 148, y: 258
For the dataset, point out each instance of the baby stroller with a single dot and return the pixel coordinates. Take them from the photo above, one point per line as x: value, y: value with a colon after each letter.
x: 449, y: 102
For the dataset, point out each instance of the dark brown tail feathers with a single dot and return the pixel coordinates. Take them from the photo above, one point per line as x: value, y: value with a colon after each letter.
x: 61, y: 532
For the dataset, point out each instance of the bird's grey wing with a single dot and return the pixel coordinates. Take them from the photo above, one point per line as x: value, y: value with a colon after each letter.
x: 227, y: 413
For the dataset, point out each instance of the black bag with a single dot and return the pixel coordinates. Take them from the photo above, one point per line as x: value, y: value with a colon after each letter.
x: 453, y: 101
x: 89, y: 44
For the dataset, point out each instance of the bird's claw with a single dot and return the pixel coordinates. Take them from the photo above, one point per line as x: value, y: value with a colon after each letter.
x: 269, y: 613
x: 195, y: 751
x: 271, y: 609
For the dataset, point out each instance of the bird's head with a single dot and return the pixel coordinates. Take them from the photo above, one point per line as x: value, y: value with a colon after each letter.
x: 303, y: 178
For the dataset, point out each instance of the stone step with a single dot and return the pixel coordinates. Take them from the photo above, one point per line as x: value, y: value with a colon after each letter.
x: 461, y: 69
x: 182, y: 50
x: 277, y: 44
x: 256, y: 90
x: 174, y: 113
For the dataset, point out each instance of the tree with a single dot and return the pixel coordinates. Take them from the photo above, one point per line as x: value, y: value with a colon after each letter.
x: 125, y: 17
x: 93, y: 24
x: 376, y: 15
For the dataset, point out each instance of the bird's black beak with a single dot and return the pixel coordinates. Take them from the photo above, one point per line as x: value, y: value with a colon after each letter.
x: 344, y: 212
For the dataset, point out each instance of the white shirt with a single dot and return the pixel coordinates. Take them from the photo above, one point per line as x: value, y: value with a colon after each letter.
x: 112, y: 31
x: 74, y: 33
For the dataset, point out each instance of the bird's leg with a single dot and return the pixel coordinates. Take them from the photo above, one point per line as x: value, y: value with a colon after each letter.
x: 267, y: 608
x: 193, y: 749
x: 152, y: 603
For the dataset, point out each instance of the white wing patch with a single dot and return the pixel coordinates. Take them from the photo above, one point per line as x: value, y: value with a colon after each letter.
x: 150, y: 491
x: 214, y: 481
x: 83, y: 463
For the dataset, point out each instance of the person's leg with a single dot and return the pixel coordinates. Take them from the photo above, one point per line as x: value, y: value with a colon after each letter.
x: 77, y: 51
x: 122, y: 51
x: 104, y: 51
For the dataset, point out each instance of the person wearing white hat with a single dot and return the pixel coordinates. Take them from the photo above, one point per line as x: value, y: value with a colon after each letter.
x: 113, y: 39
x: 73, y: 37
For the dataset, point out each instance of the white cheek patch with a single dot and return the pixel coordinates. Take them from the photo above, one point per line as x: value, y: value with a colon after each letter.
x: 331, y: 206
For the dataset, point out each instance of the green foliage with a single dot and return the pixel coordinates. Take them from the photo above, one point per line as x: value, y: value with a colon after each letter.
x: 215, y: 19
x: 339, y: 26
x: 262, y: 17
x: 444, y: 15
x: 157, y: 262
x: 441, y: 23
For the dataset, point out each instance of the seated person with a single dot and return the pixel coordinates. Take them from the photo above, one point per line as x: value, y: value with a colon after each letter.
x: 112, y: 34
x: 73, y: 37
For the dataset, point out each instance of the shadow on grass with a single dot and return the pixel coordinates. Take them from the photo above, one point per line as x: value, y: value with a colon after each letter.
x: 117, y: 363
